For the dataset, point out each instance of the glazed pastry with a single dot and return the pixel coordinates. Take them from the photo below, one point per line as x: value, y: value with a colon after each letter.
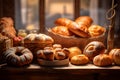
x: 74, y: 51
x: 102, y: 60
x: 18, y: 56
x: 84, y: 20
x: 79, y: 59
x: 79, y: 30
x: 115, y: 55
x: 96, y: 30
x: 61, y: 30
x: 94, y: 48
x: 62, y: 21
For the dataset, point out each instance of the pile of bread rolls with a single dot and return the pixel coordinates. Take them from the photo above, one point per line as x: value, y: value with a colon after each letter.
x: 81, y: 27
x: 94, y: 52
x: 56, y: 52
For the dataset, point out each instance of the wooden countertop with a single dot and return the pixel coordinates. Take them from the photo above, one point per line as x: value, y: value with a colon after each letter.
x: 70, y: 69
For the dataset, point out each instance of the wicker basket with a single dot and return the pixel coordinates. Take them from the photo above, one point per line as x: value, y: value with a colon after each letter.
x: 71, y: 41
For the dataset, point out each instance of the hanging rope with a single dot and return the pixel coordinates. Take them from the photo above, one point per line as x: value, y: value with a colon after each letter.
x: 110, y: 15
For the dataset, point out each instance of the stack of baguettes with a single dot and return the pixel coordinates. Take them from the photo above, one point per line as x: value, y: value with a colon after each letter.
x: 76, y: 33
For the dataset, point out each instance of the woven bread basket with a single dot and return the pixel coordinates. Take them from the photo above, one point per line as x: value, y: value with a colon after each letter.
x: 71, y: 41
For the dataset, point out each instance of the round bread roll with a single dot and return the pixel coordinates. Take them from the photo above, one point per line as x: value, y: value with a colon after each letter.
x: 74, y: 51
x: 79, y: 59
x: 61, y: 30
x: 96, y: 30
x: 115, y: 55
x: 62, y: 21
x: 79, y: 30
x: 102, y: 60
x: 86, y: 20
x: 59, y: 55
x: 49, y: 55
x: 94, y: 48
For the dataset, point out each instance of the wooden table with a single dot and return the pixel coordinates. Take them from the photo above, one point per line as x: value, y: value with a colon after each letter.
x: 71, y: 72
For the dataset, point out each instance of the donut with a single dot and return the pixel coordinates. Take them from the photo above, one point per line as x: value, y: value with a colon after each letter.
x: 18, y: 56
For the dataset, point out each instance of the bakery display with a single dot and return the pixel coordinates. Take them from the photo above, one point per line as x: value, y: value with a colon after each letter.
x: 74, y: 51
x: 115, y: 55
x: 102, y: 60
x: 94, y: 48
x: 96, y: 30
x: 62, y: 21
x: 79, y: 59
x: 18, y: 56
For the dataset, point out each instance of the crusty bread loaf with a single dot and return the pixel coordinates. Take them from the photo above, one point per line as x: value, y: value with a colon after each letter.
x: 102, y: 60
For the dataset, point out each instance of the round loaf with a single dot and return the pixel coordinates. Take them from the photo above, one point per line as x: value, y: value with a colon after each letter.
x: 79, y: 59
x: 94, y: 48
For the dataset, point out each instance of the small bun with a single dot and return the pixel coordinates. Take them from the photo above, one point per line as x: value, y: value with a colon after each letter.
x: 115, y: 55
x: 96, y: 30
x: 74, y: 51
x: 61, y: 30
x: 94, y: 48
x: 79, y: 30
x: 102, y: 60
x: 79, y: 59
x: 60, y: 55
x: 62, y: 21
x: 49, y: 55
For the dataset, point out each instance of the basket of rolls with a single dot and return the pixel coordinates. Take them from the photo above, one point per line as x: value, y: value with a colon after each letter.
x: 78, y: 33
x: 55, y: 55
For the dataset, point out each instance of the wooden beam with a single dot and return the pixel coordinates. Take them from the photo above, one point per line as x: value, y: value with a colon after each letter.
x: 76, y: 8
x: 42, y: 15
